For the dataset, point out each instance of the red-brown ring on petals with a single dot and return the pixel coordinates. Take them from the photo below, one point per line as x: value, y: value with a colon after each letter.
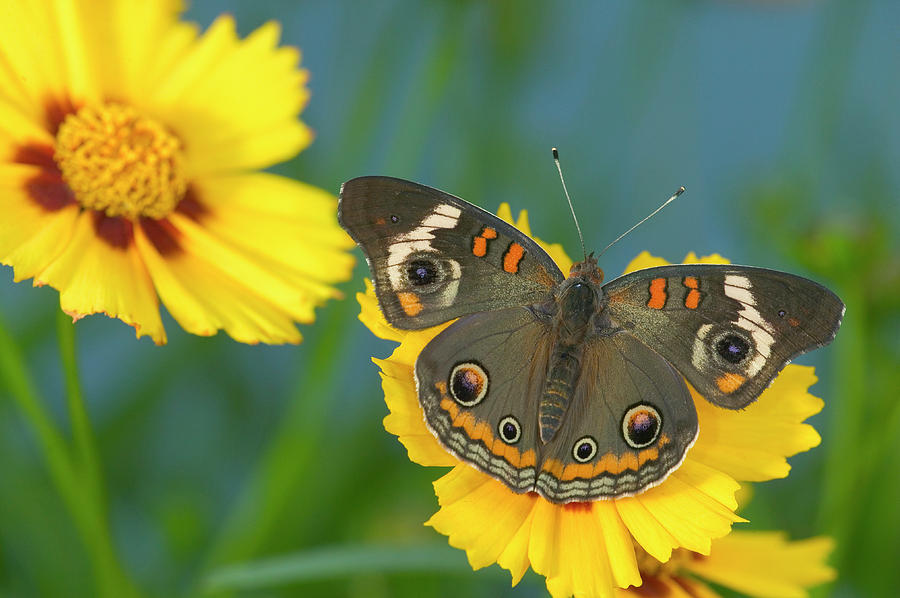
x: 49, y: 191
x: 163, y: 235
x: 191, y: 206
x: 56, y: 110
x: 116, y: 231
x: 578, y: 506
x: 46, y: 188
x: 36, y: 154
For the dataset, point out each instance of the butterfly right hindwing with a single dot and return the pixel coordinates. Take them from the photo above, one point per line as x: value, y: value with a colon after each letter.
x: 630, y: 423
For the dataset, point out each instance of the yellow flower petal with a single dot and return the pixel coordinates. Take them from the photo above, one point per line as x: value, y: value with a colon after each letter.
x: 93, y: 276
x: 31, y: 236
x: 690, y: 515
x: 18, y: 128
x: 620, y: 547
x: 646, y: 260
x: 485, y: 540
x: 370, y: 314
x: 30, y: 44
x: 752, y: 444
x: 136, y: 46
x: 234, y: 102
x: 406, y: 420
x: 295, y: 227
x: 766, y: 564
x: 204, y: 298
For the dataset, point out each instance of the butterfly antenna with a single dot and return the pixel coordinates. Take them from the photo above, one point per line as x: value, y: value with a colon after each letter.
x: 651, y: 215
x: 569, y: 199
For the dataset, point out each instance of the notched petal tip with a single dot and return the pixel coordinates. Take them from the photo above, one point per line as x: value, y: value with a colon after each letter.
x: 158, y: 337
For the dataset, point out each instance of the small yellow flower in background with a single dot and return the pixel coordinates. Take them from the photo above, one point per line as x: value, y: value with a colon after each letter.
x: 128, y: 149
x: 761, y: 564
x: 588, y: 549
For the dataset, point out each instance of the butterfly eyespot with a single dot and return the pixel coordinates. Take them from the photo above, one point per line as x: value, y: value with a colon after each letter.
x: 732, y: 348
x: 395, y: 219
x: 585, y: 449
x: 509, y: 429
x: 428, y: 273
x: 421, y: 272
x: 781, y: 313
x: 641, y: 425
x: 468, y: 384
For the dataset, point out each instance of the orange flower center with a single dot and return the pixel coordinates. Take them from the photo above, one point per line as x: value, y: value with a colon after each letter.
x: 118, y: 161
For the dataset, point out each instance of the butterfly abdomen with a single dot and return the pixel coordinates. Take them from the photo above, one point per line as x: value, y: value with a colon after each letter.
x: 577, y: 308
x: 564, y: 368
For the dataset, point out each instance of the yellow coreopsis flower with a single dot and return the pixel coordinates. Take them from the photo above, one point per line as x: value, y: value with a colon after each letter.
x: 128, y: 145
x: 759, y: 564
x: 588, y: 549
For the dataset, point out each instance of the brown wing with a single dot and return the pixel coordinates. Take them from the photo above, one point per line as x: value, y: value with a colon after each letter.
x: 629, y: 424
x: 435, y: 257
x: 728, y: 329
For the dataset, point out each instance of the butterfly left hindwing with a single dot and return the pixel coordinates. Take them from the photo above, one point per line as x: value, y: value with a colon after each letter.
x: 478, y: 382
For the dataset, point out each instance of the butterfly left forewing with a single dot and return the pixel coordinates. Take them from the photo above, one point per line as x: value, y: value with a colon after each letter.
x: 435, y: 257
x: 728, y: 329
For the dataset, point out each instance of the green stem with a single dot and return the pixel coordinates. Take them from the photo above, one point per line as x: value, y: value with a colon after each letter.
x: 87, y: 513
x: 293, y: 449
x: 87, y: 460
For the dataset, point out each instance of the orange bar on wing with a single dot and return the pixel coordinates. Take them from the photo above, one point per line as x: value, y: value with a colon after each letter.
x: 728, y: 383
x: 512, y: 257
x: 692, y: 301
x: 410, y: 303
x: 479, y: 245
x: 657, y: 293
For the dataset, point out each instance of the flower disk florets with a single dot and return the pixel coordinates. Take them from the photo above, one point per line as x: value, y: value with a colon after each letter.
x: 118, y: 161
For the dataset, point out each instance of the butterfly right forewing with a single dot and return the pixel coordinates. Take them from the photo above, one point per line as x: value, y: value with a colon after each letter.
x: 728, y: 329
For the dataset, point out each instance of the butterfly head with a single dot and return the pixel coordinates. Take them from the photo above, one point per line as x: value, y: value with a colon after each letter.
x: 587, y: 270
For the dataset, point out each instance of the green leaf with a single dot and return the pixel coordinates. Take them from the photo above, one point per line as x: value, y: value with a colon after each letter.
x: 337, y: 562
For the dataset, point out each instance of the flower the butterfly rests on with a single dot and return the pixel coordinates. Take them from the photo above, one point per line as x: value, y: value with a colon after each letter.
x: 585, y: 548
x: 128, y: 149
x: 763, y: 564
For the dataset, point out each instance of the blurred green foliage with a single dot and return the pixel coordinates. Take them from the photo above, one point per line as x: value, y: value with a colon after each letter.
x: 210, y: 468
